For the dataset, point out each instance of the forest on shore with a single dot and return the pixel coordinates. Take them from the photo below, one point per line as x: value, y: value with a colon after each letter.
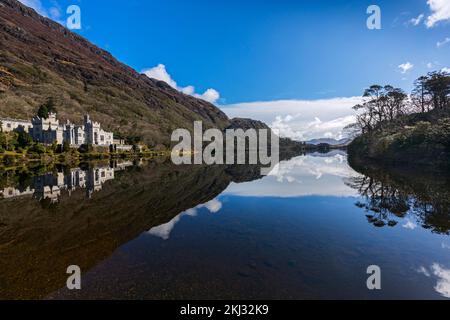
x: 396, y: 128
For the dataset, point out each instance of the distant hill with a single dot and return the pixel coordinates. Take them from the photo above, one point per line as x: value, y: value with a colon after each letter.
x: 331, y: 142
x: 246, y: 124
x: 39, y: 58
x: 288, y: 148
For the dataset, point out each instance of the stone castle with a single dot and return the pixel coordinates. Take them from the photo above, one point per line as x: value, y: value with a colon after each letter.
x: 49, y: 131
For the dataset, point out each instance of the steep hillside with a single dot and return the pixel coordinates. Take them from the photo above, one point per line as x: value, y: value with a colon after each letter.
x: 39, y: 58
x: 243, y: 123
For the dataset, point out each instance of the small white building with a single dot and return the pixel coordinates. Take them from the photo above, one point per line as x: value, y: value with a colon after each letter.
x: 9, y: 125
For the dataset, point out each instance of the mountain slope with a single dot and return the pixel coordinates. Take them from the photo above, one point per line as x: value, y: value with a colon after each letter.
x: 39, y: 58
x: 245, y: 124
x: 331, y: 142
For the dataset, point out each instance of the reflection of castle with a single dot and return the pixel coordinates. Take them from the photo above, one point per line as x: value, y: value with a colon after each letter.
x: 50, y: 185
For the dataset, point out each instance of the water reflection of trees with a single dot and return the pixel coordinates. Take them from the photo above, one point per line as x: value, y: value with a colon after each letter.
x: 389, y: 198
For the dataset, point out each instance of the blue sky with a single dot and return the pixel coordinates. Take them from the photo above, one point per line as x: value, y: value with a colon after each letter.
x: 295, y: 64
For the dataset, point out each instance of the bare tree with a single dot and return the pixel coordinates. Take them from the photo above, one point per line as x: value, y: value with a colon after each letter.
x: 395, y: 105
x: 438, y: 87
x: 420, y: 97
x: 381, y: 105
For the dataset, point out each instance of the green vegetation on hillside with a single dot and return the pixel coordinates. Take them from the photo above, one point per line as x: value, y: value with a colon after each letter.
x: 41, y: 59
x: 395, y: 128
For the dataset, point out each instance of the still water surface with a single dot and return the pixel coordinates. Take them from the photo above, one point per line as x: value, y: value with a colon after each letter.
x: 152, y: 230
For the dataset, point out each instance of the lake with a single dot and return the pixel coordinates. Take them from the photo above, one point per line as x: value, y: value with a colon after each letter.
x: 152, y: 230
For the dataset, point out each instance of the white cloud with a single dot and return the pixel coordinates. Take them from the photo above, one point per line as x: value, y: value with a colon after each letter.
x: 443, y: 42
x: 282, y: 125
x: 163, y: 231
x: 430, y: 65
x: 443, y: 282
x: 210, y: 95
x: 213, y: 206
x: 53, y: 13
x: 409, y: 225
x: 405, y: 67
x: 447, y: 70
x: 443, y: 278
x: 424, y: 271
x: 36, y: 5
x: 296, y: 119
x: 300, y: 119
x: 417, y: 21
x: 160, y: 73
x: 188, y: 90
x: 440, y: 12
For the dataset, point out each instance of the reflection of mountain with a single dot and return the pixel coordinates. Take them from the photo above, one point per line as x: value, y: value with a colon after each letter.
x: 409, y: 197
x: 311, y: 174
x: 330, y: 141
x: 328, y: 154
x: 38, y: 243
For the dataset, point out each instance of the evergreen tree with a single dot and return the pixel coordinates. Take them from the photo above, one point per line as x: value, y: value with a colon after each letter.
x: 46, y: 108
x: 24, y: 139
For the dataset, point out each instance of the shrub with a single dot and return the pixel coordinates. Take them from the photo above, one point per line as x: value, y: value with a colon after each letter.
x: 37, y: 148
x: 66, y: 147
x: 24, y: 139
x: 86, y: 148
x: 9, y: 160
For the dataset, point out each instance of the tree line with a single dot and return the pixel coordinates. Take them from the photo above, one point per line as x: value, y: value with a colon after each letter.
x: 383, y: 105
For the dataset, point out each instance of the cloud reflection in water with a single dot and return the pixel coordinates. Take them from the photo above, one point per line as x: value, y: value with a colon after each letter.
x: 163, y: 231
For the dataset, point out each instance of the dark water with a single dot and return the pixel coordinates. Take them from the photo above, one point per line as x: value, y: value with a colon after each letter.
x: 156, y: 231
